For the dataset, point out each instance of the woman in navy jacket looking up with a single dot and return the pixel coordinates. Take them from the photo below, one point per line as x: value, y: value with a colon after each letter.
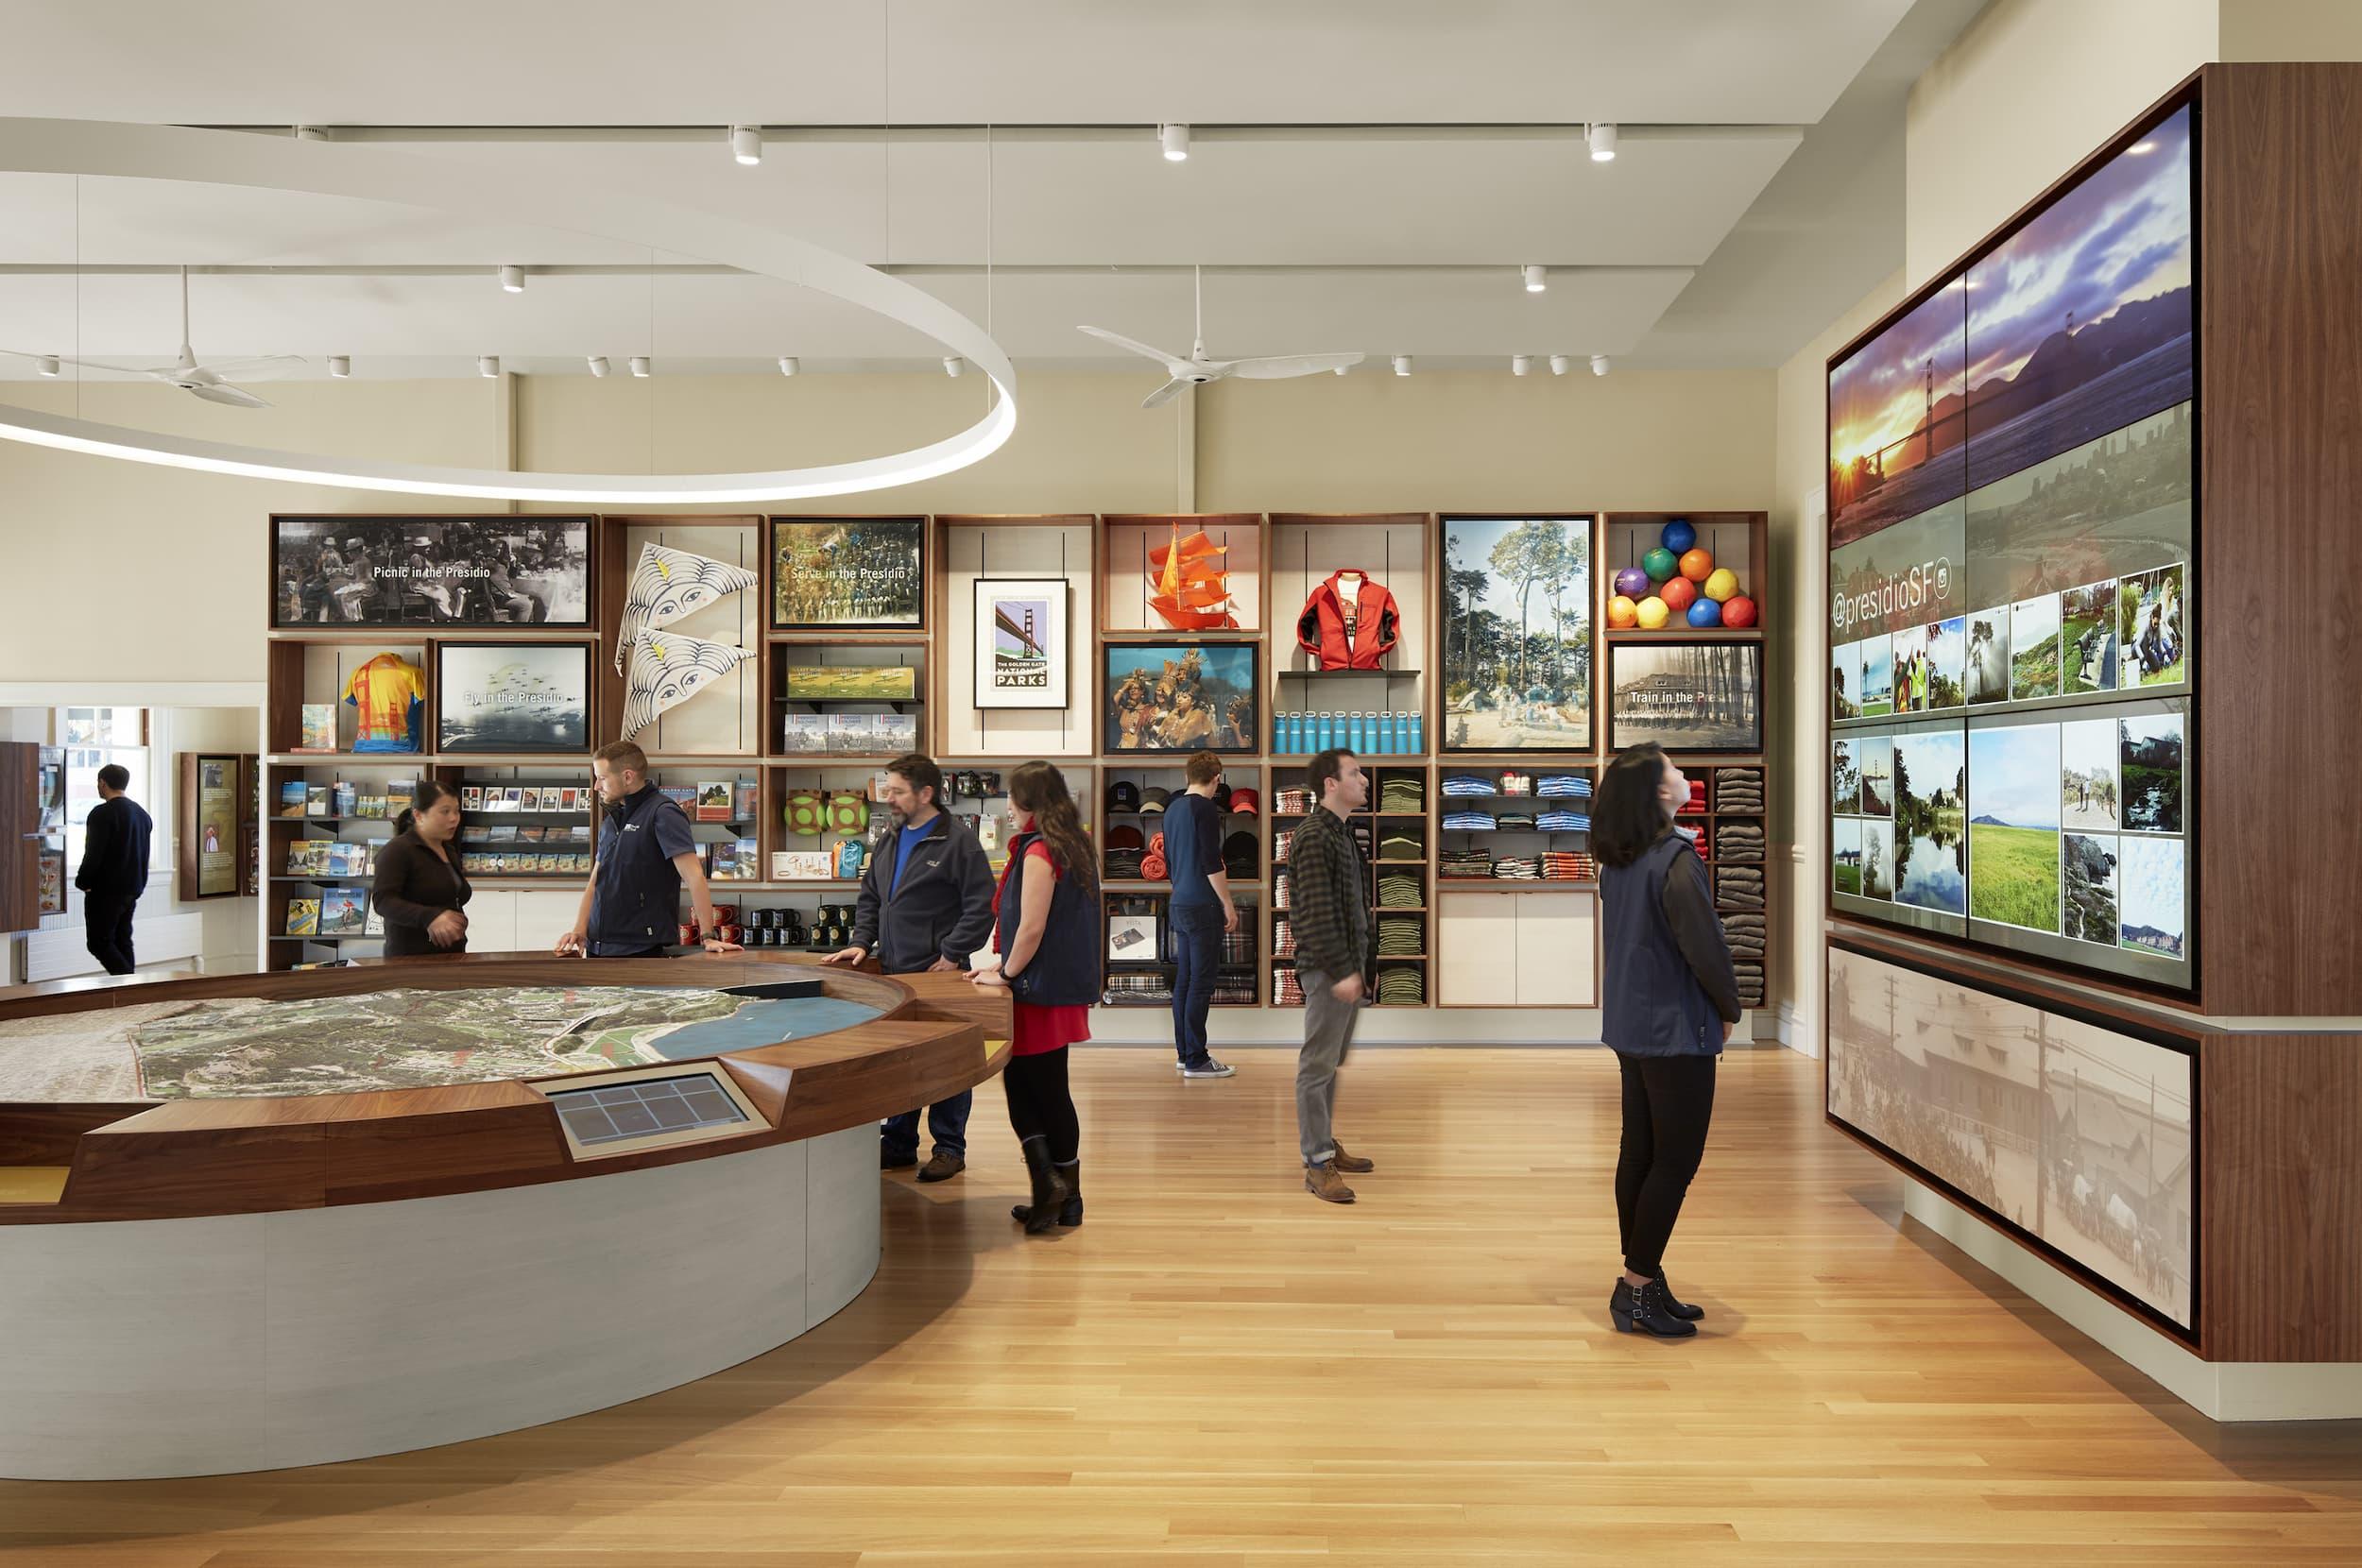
x: 1671, y: 997
x: 1045, y: 931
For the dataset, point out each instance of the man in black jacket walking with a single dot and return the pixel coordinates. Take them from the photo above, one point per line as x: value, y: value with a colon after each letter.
x: 926, y: 904
x: 114, y: 872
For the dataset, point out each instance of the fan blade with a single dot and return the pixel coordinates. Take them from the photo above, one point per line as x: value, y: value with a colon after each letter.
x: 82, y: 363
x: 1163, y: 394
x: 265, y: 368
x: 1140, y: 348
x: 1280, y: 367
x: 232, y: 397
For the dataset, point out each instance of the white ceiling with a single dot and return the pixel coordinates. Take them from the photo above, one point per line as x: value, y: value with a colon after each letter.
x: 1366, y: 174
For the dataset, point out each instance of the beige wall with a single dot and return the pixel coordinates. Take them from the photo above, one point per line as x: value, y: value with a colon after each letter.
x: 2291, y: 29
x: 2022, y: 95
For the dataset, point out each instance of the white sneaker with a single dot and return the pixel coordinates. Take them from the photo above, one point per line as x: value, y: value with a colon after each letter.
x: 1208, y: 1068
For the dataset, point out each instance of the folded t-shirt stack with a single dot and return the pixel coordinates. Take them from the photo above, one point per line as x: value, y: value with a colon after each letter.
x: 1739, y: 789
x: 1568, y: 865
x: 1749, y: 987
x: 1562, y: 786
x: 1279, y: 890
x: 1517, y: 868
x: 1286, y: 989
x: 1401, y: 844
x: 1466, y: 862
x: 1742, y: 844
x: 1291, y: 803
x: 1283, y: 939
x: 1401, y: 985
x: 1399, y: 890
x: 1468, y: 822
x: 1460, y: 784
x: 1514, y: 821
x: 1234, y: 989
x: 1515, y: 783
x: 1564, y: 821
x: 1402, y: 792
x: 1123, y: 865
x: 1280, y: 841
x: 1739, y: 887
x: 1401, y: 935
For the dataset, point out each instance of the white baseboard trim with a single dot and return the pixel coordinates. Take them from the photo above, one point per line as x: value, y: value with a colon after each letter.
x: 2221, y: 1390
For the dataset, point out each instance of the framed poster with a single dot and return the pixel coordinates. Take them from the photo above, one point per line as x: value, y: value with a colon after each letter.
x: 1023, y: 657
x: 210, y: 843
x: 504, y: 571
x: 1181, y: 696
x: 1516, y: 634
x: 847, y: 572
x: 512, y: 696
x: 1686, y: 696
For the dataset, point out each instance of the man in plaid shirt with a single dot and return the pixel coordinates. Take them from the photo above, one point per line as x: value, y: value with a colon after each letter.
x: 1329, y: 891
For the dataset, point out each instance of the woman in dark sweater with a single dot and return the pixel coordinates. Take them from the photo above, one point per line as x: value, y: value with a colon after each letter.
x: 1671, y: 997
x: 420, y: 892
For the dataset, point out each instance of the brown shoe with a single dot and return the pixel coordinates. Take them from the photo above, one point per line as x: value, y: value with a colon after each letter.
x: 942, y: 1168
x: 1352, y: 1165
x: 1323, y: 1183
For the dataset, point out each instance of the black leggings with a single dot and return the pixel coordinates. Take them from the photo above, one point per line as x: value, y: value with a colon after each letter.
x: 1041, y: 1105
x: 1669, y: 1102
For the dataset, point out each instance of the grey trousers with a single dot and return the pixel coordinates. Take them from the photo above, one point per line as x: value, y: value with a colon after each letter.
x: 1328, y: 1035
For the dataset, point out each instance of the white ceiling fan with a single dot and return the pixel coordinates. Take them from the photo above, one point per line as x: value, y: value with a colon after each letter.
x: 1198, y: 369
x: 215, y: 382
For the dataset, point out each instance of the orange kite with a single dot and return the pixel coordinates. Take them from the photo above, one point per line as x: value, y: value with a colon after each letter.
x: 1192, y: 589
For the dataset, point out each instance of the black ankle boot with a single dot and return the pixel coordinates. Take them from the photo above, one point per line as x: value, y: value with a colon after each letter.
x: 1050, y: 1194
x: 1674, y: 1304
x: 1642, y: 1310
x: 1071, y: 1214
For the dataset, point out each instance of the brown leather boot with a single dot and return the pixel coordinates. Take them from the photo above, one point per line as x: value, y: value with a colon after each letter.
x: 1323, y: 1183
x: 1352, y: 1165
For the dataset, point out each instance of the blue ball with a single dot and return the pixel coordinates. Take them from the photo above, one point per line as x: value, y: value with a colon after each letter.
x: 1705, y: 612
x: 1679, y: 535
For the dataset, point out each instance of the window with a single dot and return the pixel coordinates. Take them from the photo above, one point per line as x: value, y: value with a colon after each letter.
x: 93, y: 737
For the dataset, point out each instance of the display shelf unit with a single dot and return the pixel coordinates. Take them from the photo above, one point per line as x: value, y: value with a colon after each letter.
x: 1393, y: 551
x: 788, y: 653
x: 1738, y: 541
x: 1127, y: 541
x: 725, y: 718
x: 1383, y: 863
x: 970, y: 550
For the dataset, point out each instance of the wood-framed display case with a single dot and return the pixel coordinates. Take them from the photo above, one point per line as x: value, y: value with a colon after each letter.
x: 213, y: 835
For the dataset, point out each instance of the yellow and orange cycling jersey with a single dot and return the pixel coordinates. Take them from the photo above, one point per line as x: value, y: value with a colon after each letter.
x: 390, y: 693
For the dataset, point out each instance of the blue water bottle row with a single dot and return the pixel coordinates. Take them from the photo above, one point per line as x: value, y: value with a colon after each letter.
x: 1364, y: 734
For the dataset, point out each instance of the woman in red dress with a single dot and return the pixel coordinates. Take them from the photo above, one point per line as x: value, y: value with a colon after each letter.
x: 1043, y: 932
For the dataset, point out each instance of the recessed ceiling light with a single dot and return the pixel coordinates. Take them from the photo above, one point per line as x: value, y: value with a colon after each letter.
x: 1601, y: 139
x: 953, y: 365
x: 340, y: 365
x: 599, y: 367
x: 1520, y: 364
x: 746, y: 144
x: 487, y: 366
x: 1559, y: 365
x: 48, y: 366
x: 790, y: 364
x: 639, y: 365
x: 310, y: 133
x: 1537, y: 279
x: 1175, y: 140
x: 1402, y: 364
x: 513, y: 279
x: 1599, y: 365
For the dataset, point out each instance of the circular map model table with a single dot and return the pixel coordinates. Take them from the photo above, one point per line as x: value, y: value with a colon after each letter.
x: 279, y: 1219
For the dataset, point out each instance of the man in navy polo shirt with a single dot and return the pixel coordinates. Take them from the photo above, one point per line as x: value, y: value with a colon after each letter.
x: 632, y: 907
x: 1202, y: 911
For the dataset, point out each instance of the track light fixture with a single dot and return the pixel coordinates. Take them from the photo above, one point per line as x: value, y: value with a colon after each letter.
x: 1520, y: 365
x: 1537, y: 279
x: 639, y: 365
x: 1402, y: 364
x: 487, y: 366
x: 790, y: 364
x: 310, y: 133
x: 48, y: 366
x: 746, y: 145
x: 1175, y: 140
x: 599, y: 367
x: 953, y: 365
x: 1599, y: 365
x: 513, y: 279
x: 1601, y: 139
x: 340, y: 367
x: 1559, y: 365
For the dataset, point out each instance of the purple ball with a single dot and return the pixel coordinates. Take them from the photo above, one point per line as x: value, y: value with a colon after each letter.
x: 1631, y: 582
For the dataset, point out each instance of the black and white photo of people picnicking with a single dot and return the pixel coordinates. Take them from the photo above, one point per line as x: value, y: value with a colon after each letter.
x: 413, y: 572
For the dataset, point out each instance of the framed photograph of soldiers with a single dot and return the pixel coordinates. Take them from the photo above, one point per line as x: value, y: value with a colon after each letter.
x: 1181, y: 696
x: 1022, y: 656
x: 504, y: 571
x: 847, y: 572
x: 1704, y: 697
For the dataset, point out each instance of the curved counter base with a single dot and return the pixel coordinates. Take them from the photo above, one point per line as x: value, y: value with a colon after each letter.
x: 255, y: 1342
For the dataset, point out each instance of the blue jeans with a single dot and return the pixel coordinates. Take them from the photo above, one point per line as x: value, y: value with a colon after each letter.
x: 947, y: 1120
x: 1197, y: 958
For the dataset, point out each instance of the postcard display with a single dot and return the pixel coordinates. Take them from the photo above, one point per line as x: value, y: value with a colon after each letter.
x: 2031, y: 494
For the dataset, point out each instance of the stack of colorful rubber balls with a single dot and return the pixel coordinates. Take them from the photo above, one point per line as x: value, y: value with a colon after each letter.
x: 1678, y: 577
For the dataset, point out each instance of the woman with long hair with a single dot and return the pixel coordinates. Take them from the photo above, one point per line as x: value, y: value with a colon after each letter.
x: 1044, y: 931
x: 1670, y: 998
x: 419, y: 891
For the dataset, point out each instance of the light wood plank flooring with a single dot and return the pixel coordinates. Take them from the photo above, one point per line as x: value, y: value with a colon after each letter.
x: 1219, y: 1369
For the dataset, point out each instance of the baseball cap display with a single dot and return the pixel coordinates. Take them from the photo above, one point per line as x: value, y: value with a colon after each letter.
x: 1154, y: 797
x: 1245, y: 802
x: 1124, y: 796
x: 1239, y: 855
x: 1125, y: 838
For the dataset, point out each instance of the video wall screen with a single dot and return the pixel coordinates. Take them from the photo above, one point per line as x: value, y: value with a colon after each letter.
x: 2082, y: 1137
x: 2011, y: 498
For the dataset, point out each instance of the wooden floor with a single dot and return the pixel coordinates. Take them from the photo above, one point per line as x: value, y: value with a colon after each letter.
x: 1219, y: 1369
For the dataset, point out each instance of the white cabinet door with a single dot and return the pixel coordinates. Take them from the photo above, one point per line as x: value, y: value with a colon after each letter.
x: 1475, y: 951
x: 1557, y: 948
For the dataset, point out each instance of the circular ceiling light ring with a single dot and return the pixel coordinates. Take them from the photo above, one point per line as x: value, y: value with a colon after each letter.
x: 362, y: 172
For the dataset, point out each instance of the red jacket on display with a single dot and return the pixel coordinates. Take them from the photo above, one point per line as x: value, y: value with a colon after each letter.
x: 1321, y: 627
